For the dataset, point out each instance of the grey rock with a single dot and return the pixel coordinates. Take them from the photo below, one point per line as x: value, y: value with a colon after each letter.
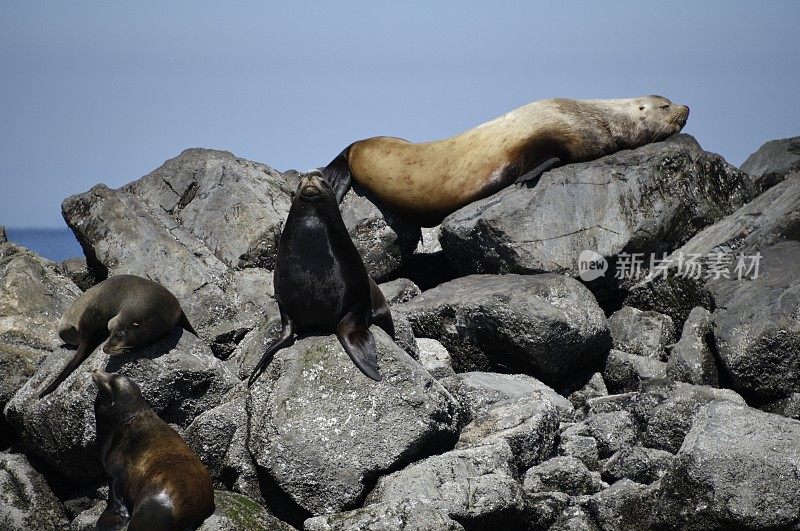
x: 87, y: 519
x: 691, y: 359
x: 475, y: 486
x: 574, y: 519
x: 528, y: 424
x: 642, y: 333
x: 404, y: 515
x: 594, y: 388
x: 563, y: 474
x: 612, y: 430
x: 399, y: 290
x: 322, y: 431
x: 625, y: 372
x: 637, y: 463
x: 179, y: 377
x: 787, y: 407
x: 581, y: 447
x: 671, y: 294
x: 26, y: 501
x: 737, y: 469
x: 234, y: 512
x: 549, y: 326
x: 477, y: 392
x: 650, y: 200
x: 3, y: 236
x: 757, y: 327
x: 77, y: 270
x: 435, y: 358
x: 542, y: 509
x: 773, y: 161
x: 429, y: 242
x: 625, y: 506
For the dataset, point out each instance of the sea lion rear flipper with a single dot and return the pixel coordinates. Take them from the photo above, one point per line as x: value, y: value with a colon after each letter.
x: 358, y: 341
x: 152, y: 513
x: 284, y: 339
x: 115, y: 515
x: 186, y: 325
x: 85, y: 347
x: 381, y: 315
x: 337, y: 174
x: 536, y: 172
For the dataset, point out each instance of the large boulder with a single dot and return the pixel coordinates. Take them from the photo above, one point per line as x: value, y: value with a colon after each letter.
x: 562, y: 474
x: 549, y: 326
x: 641, y: 333
x: 773, y: 161
x: 648, y: 200
x: 691, y: 359
x: 738, y: 468
x: 757, y: 327
x: 403, y: 515
x: 179, y: 377
x: 234, y: 512
x: 322, y: 431
x: 26, y: 501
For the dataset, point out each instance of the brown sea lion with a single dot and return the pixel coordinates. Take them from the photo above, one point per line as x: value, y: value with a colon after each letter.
x: 321, y: 283
x: 427, y: 181
x: 155, y: 481
x: 132, y: 312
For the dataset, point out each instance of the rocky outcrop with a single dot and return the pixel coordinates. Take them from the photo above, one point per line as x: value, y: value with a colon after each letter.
x: 692, y: 358
x: 773, y: 162
x: 404, y: 515
x: 234, y: 512
x: 26, y: 501
x: 642, y: 333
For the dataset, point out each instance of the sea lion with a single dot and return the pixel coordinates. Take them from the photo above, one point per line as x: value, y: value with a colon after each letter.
x: 132, y: 312
x: 427, y: 181
x: 155, y: 481
x: 321, y: 283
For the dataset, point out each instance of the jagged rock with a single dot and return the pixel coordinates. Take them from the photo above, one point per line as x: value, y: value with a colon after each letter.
x: 77, y: 270
x: 642, y: 333
x: 3, y: 236
x: 543, y: 508
x: 563, y: 474
x: 179, y: 377
x: 234, y: 512
x: 435, y: 358
x: 788, y: 407
x: 581, y: 447
x: 429, y: 242
x: 671, y: 294
x: 475, y: 486
x: 574, y: 519
x: 26, y: 501
x: 549, y: 326
x: 477, y: 392
x: 87, y: 519
x: 322, y: 431
x: 612, y: 430
x: 637, y: 463
x: 773, y: 161
x: 625, y: 372
x: 528, y: 424
x: 399, y: 290
x: 757, y: 327
x: 649, y: 200
x: 405, y: 515
x: 33, y: 296
x: 737, y: 469
x: 691, y: 359
x: 594, y: 388
x: 625, y: 506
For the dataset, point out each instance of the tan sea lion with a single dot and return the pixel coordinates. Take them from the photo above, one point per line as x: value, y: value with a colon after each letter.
x: 132, y: 312
x: 156, y: 483
x: 427, y: 181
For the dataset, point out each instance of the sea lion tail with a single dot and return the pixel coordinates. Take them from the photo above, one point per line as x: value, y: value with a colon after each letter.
x: 184, y: 323
x: 85, y: 348
x: 337, y: 174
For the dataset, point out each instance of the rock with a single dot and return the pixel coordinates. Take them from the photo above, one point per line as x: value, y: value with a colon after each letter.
x: 77, y: 270
x: 477, y: 392
x: 322, y: 431
x: 574, y: 519
x: 637, y: 463
x: 435, y: 358
x: 475, y: 486
x: 641, y: 333
x: 625, y: 372
x: 773, y: 161
x: 549, y: 326
x: 3, y: 236
x: 649, y: 200
x: 543, y: 508
x: 528, y: 424
x: 87, y: 520
x: 757, y: 328
x: 429, y: 241
x: 692, y: 358
x: 594, y: 388
x: 399, y: 290
x: 737, y: 469
x: 26, y: 501
x: 405, y: 515
x: 581, y: 447
x: 33, y: 296
x: 563, y: 474
x: 788, y: 407
x: 179, y: 377
x: 625, y: 506
x: 613, y: 431
x: 234, y: 512
x: 671, y: 294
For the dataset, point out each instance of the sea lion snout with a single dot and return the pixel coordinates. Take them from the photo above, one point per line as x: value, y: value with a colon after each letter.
x: 683, y: 115
x: 312, y: 186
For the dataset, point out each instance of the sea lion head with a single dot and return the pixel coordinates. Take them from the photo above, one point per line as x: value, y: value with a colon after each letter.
x: 314, y: 188
x: 131, y: 329
x: 656, y: 118
x: 118, y: 398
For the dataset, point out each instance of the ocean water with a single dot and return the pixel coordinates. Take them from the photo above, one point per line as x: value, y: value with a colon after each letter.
x: 55, y: 244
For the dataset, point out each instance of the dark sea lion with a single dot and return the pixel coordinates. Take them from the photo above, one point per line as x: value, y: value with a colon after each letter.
x: 427, y: 181
x: 321, y: 283
x: 132, y: 312
x: 155, y: 481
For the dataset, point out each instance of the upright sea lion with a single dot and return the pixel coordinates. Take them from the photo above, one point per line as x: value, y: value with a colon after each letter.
x: 155, y: 481
x: 132, y: 312
x: 425, y: 182
x: 321, y: 283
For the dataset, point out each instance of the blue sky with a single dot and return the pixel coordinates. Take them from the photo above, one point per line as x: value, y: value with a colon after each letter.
x: 105, y: 92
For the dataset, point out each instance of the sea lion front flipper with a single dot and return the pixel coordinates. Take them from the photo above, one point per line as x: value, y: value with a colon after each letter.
x: 358, y: 341
x: 537, y: 172
x: 115, y: 515
x: 337, y: 174
x: 381, y: 315
x: 184, y: 323
x: 284, y: 339
x: 85, y: 347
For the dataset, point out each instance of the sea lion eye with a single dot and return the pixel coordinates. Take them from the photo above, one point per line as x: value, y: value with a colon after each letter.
x: 120, y: 334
